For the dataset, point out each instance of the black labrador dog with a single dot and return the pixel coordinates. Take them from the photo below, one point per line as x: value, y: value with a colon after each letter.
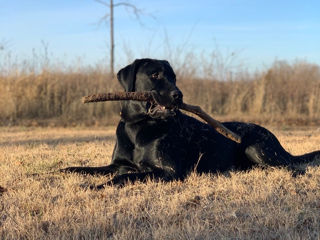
x: 160, y: 142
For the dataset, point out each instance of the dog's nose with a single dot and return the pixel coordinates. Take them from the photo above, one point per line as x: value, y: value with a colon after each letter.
x: 177, y: 95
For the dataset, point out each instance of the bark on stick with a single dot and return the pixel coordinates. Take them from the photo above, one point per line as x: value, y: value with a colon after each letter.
x: 147, y: 96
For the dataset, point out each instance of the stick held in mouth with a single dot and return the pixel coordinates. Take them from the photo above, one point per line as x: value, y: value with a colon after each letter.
x: 116, y: 96
x: 147, y: 96
x: 218, y: 126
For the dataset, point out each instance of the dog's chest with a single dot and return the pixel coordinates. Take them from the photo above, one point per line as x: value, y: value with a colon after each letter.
x: 146, y: 133
x: 155, y: 142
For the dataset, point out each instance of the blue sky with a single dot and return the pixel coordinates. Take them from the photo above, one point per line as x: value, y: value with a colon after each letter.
x: 258, y: 31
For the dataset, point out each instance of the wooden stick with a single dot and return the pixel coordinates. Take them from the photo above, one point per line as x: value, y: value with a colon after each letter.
x: 116, y: 96
x: 147, y: 96
x: 218, y: 126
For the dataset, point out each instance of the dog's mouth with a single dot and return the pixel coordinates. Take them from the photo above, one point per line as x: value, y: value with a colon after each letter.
x: 156, y: 110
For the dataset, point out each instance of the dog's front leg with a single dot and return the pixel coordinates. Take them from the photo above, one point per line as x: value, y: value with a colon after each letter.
x: 123, y: 179
x: 110, y: 169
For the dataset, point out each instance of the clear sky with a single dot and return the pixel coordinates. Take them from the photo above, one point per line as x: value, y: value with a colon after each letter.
x: 258, y: 31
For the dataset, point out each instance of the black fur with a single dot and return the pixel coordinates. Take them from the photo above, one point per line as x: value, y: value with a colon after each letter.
x: 160, y: 142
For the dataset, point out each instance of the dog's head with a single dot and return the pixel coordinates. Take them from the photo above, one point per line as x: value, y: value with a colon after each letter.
x: 150, y: 75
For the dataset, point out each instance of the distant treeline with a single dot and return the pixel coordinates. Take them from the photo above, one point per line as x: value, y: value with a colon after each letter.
x: 286, y: 93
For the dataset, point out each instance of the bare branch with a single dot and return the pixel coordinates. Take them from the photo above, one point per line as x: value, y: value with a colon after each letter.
x: 104, y: 19
x: 125, y: 4
x: 103, y: 3
x: 136, y: 11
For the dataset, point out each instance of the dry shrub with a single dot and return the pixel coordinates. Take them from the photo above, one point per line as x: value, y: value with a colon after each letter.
x: 292, y: 89
x: 55, y: 97
x: 285, y: 93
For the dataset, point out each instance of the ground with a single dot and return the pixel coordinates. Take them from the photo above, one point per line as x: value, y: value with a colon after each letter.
x: 38, y: 203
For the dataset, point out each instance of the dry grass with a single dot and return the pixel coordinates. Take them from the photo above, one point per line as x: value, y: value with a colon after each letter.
x: 285, y: 93
x: 260, y: 204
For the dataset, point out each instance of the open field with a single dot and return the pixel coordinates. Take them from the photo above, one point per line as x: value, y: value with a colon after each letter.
x: 284, y: 94
x: 260, y: 204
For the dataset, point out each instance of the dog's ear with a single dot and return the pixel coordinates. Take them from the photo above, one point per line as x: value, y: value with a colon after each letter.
x: 127, y: 75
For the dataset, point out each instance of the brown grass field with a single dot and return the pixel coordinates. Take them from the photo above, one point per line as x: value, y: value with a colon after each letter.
x: 284, y: 94
x: 41, y: 204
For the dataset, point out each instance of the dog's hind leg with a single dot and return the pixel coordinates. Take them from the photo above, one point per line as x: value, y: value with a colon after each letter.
x: 264, y: 156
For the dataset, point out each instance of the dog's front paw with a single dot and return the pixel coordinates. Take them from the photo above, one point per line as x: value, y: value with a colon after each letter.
x: 68, y: 170
x: 98, y: 187
x: 117, y: 181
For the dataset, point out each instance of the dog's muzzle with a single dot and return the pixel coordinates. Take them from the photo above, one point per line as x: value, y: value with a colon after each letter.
x: 158, y: 111
x: 163, y: 109
x: 177, y: 97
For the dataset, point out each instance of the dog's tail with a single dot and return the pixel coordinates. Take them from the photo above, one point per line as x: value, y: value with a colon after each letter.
x: 302, y: 162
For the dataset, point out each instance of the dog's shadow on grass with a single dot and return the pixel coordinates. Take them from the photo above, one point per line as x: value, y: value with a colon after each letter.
x: 58, y: 141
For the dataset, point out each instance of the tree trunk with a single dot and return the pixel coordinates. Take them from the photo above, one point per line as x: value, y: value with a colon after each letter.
x: 111, y: 41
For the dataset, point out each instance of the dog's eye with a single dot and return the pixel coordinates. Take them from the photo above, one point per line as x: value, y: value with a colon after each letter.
x: 155, y: 75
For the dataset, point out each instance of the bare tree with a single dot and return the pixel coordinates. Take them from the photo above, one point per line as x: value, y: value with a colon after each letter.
x: 110, y: 17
